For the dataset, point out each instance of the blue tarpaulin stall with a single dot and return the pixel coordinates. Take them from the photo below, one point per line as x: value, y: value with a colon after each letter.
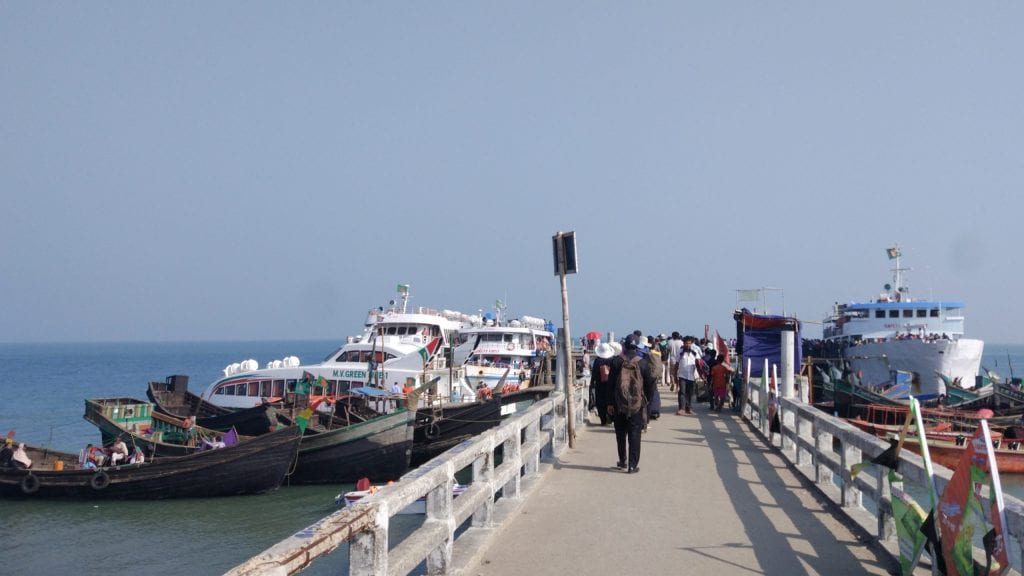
x: 759, y: 337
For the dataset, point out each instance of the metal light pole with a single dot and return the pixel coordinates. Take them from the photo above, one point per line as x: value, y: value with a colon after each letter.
x: 564, y: 244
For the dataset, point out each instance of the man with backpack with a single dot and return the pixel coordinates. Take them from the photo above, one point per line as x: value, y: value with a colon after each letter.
x: 628, y: 404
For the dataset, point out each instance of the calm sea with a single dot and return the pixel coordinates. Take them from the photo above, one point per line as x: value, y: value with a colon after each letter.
x: 44, y: 388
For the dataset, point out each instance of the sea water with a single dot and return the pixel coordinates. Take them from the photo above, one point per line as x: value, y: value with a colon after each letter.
x: 44, y: 390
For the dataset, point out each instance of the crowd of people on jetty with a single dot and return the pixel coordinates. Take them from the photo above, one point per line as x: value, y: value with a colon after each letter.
x: 626, y: 376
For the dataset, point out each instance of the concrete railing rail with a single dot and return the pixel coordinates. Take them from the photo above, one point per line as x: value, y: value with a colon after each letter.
x: 823, y: 448
x: 529, y: 441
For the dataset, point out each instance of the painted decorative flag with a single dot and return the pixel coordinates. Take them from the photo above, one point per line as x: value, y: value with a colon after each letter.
x: 302, y: 420
x: 893, y: 252
x: 403, y: 288
x: 428, y: 351
x: 321, y: 382
x: 961, y: 515
x: 909, y: 518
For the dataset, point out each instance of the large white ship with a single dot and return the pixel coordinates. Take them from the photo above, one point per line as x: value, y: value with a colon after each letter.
x: 897, y: 332
x: 402, y: 346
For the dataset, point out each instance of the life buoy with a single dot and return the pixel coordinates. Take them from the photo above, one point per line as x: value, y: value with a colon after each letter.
x: 99, y: 480
x: 511, y: 346
x: 432, y: 430
x: 30, y: 484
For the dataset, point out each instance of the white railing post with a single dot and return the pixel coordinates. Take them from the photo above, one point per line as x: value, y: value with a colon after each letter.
x: 368, y: 550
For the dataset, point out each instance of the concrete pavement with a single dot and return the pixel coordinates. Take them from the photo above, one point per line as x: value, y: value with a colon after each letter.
x: 710, y: 498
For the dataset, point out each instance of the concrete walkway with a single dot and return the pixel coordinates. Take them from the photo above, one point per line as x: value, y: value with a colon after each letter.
x: 710, y: 498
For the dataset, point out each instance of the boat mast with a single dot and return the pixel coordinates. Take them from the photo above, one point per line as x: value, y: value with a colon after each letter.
x: 902, y: 293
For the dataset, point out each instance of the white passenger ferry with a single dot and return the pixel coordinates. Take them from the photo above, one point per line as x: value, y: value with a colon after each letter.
x: 491, y: 346
x: 398, y: 346
x: 897, y: 332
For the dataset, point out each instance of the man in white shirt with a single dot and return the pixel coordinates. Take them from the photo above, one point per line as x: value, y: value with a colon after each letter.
x: 687, y: 375
x: 675, y: 345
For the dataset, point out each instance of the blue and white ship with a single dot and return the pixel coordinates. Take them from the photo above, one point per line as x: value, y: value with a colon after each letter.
x: 897, y: 332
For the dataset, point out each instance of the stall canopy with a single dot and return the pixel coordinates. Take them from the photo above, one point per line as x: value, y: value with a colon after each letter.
x: 759, y: 337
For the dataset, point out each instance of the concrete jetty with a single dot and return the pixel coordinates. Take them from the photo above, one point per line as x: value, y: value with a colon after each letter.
x: 711, y: 497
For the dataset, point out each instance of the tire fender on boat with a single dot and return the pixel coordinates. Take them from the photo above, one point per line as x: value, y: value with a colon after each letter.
x: 30, y: 483
x: 99, y: 480
x: 432, y: 430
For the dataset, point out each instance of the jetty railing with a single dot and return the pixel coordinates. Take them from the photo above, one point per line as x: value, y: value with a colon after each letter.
x: 456, y: 531
x: 823, y: 447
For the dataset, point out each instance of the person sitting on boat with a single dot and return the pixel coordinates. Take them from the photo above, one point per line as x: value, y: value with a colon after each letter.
x: 20, y: 458
x: 118, y: 452
x: 7, y: 454
x: 483, y: 391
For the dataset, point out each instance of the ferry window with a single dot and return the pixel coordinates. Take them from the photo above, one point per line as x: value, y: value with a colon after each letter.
x: 278, y: 388
x: 908, y: 313
x: 402, y: 330
x: 254, y: 389
x: 219, y: 391
x: 508, y: 337
x: 265, y: 387
x: 332, y: 387
x: 289, y: 384
x: 391, y: 330
x: 894, y: 313
x: 435, y: 331
x: 934, y: 312
x: 879, y: 313
x: 922, y: 313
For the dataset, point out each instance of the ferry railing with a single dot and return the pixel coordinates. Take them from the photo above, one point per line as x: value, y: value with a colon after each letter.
x: 823, y: 447
x: 456, y: 531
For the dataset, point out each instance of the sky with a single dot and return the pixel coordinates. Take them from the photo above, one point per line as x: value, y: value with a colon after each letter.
x: 268, y: 170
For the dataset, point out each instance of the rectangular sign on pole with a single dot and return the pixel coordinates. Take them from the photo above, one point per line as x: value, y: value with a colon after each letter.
x: 563, y: 245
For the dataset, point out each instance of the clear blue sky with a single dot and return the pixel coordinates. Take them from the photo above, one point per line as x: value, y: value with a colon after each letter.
x: 267, y: 170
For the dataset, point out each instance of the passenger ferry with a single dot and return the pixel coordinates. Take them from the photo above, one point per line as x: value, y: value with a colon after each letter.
x: 897, y: 332
x: 397, y: 347
x: 491, y: 346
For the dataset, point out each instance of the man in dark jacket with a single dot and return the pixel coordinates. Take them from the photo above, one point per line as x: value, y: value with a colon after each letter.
x: 601, y: 380
x: 628, y: 419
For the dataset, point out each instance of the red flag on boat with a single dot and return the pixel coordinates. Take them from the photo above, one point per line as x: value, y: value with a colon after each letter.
x: 721, y: 347
x: 427, y: 352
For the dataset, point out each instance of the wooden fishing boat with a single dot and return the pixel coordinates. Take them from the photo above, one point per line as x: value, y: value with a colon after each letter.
x: 1009, y: 454
x: 441, y: 427
x: 937, y: 431
x: 141, y: 426
x: 378, y: 449
x: 251, y: 466
x: 172, y: 397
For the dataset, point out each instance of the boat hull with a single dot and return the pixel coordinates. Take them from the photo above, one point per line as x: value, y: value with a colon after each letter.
x: 378, y: 449
x: 246, y: 421
x: 961, y: 358
x: 1009, y: 454
x: 438, y: 429
x: 250, y: 467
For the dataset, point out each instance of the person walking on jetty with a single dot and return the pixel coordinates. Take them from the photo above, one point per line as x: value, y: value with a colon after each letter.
x: 675, y: 345
x: 720, y: 374
x: 602, y: 375
x: 628, y: 406
x: 650, y: 356
x: 687, y: 375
